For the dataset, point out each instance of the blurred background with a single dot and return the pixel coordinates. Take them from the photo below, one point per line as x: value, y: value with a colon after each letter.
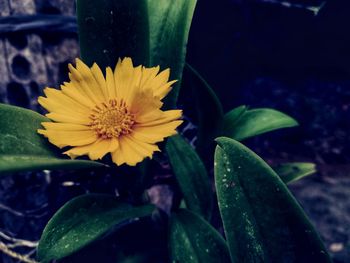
x: 292, y: 55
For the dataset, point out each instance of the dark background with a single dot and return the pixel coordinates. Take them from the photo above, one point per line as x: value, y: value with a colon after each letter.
x: 268, y: 55
x: 276, y: 54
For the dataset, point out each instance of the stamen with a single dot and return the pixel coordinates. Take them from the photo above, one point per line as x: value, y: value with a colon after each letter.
x: 112, y: 119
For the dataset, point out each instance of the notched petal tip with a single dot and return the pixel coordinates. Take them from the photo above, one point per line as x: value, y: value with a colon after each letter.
x: 44, y: 124
x: 41, y: 131
x: 79, y: 61
x: 127, y: 59
x: 40, y: 100
x: 95, y: 66
x: 71, y: 67
x: 70, y: 155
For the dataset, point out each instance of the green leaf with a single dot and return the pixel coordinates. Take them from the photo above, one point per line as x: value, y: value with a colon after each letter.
x: 20, y: 163
x: 241, y: 123
x: 23, y: 149
x: 109, y: 30
x: 262, y: 220
x: 291, y: 172
x: 169, y: 23
x: 232, y: 117
x: 18, y: 132
x: 191, y: 175
x: 193, y: 240
x: 82, y: 221
x: 208, y: 107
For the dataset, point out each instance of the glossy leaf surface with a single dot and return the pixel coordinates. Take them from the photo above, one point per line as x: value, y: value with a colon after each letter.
x: 193, y: 240
x: 242, y: 123
x: 191, y: 175
x: 23, y: 149
x: 262, y: 220
x: 169, y: 25
x: 82, y: 221
x: 109, y: 30
x: 18, y: 132
x: 209, y: 111
x: 21, y: 163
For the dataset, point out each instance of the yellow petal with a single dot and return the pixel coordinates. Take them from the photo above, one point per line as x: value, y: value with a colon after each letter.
x: 143, y: 148
x: 100, y: 79
x: 59, y: 117
x: 163, y: 90
x: 166, y: 116
x: 60, y: 107
x: 74, y: 93
x: 127, y: 79
x: 96, y: 150
x: 88, y: 80
x: 157, y: 82
x: 60, y: 101
x: 69, y: 138
x: 157, y: 133
x: 148, y: 74
x: 111, y: 89
x: 64, y: 126
x: 123, y: 154
x: 79, y: 83
x: 146, y: 107
x: 132, y: 152
x: 162, y: 78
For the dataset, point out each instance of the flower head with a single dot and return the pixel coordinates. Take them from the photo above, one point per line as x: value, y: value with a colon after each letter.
x: 118, y: 114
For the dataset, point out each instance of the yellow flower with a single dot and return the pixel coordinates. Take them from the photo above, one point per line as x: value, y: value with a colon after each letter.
x: 120, y: 114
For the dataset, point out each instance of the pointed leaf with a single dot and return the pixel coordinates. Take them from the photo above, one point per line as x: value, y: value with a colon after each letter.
x: 82, y: 221
x: 232, y: 117
x: 191, y: 175
x: 208, y: 107
x: 291, y: 172
x: 262, y: 220
x: 193, y: 240
x: 240, y: 124
x: 169, y: 23
x: 109, y: 30
x: 23, y: 149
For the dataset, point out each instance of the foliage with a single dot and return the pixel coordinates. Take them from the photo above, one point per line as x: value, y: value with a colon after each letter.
x: 83, y: 220
x: 261, y: 219
x: 191, y: 175
x: 192, y: 239
x: 291, y: 172
x: 242, y: 123
x: 23, y: 149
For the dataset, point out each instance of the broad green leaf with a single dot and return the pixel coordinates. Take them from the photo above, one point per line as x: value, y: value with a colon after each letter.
x: 18, y: 132
x: 240, y: 123
x: 191, y: 175
x: 193, y: 240
x: 208, y: 107
x: 109, y: 30
x: 169, y: 25
x: 23, y: 149
x: 291, y: 172
x: 82, y: 221
x: 262, y: 220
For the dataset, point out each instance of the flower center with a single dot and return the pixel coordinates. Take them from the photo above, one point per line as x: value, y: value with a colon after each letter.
x: 112, y: 119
